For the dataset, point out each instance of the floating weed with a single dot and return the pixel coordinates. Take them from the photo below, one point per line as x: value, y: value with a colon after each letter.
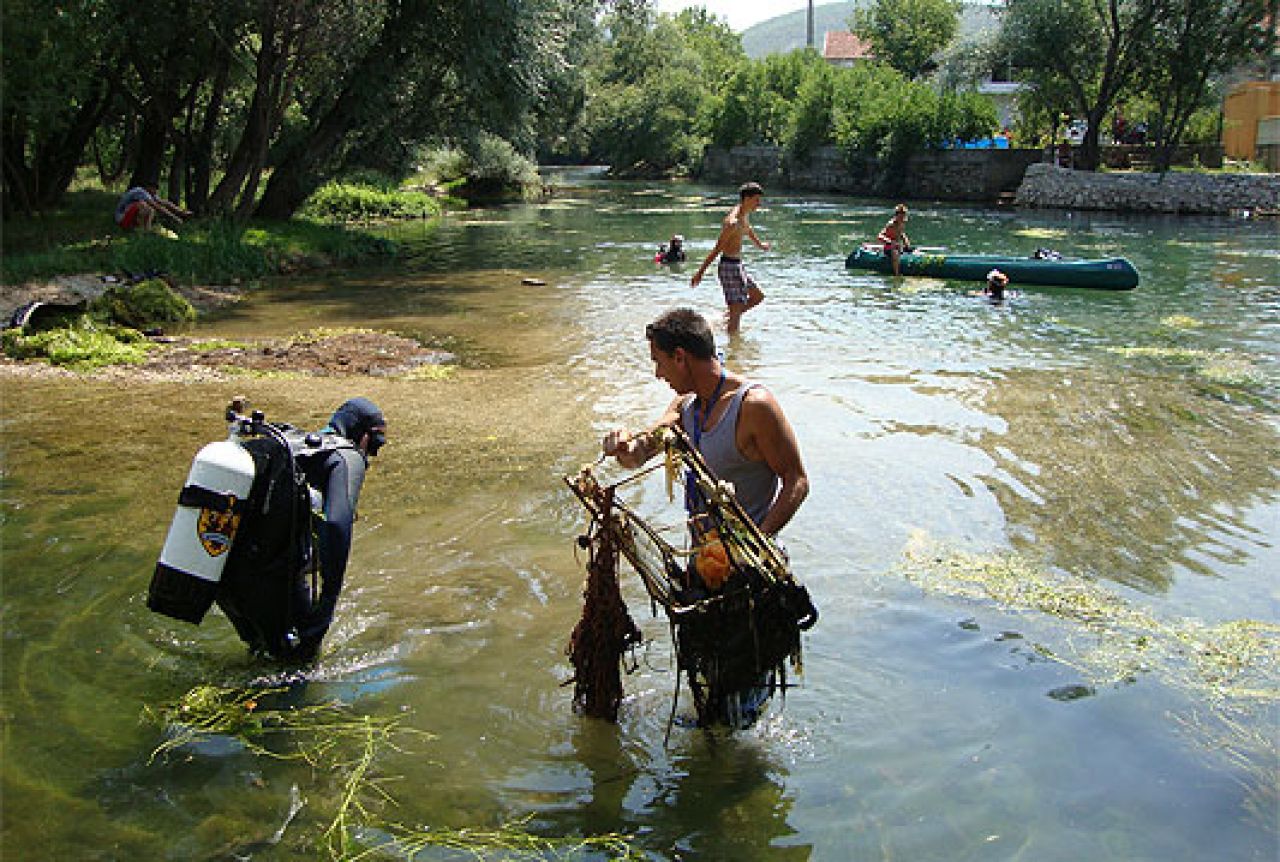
x: 1180, y: 321
x: 239, y: 713
x: 323, y: 333
x: 435, y: 372
x: 511, y: 841
x: 324, y: 736
x: 1231, y: 669
x: 1221, y: 370
x: 1178, y: 355
x: 212, y: 344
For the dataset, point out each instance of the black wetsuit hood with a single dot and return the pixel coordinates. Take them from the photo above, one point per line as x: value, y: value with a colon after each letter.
x: 357, y: 417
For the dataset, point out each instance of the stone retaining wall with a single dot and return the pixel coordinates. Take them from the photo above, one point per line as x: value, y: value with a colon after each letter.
x: 947, y: 175
x: 1050, y: 186
x: 984, y: 176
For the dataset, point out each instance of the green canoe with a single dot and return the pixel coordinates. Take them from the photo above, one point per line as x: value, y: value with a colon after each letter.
x: 1112, y: 274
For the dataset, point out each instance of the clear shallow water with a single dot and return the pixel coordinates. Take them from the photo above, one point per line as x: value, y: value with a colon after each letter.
x: 925, y: 727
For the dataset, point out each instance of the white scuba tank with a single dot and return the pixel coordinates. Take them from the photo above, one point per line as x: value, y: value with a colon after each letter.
x: 202, y: 532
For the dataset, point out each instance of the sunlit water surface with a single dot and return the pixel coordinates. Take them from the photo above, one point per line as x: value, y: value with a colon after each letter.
x: 1123, y: 439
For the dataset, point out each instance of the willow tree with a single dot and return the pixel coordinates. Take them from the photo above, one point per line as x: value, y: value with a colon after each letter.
x: 425, y: 68
x: 60, y: 73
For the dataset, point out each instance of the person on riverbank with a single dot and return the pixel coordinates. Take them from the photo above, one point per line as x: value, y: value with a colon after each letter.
x: 289, y: 624
x: 741, y: 293
x: 894, y: 237
x: 139, y: 205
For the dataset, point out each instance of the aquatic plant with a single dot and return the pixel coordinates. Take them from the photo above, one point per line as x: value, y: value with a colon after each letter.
x: 1216, y: 370
x: 322, y: 735
x: 145, y: 304
x: 1231, y: 670
x: 83, y: 345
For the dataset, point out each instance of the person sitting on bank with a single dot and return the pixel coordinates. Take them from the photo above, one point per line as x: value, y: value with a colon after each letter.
x: 894, y: 237
x: 138, y: 207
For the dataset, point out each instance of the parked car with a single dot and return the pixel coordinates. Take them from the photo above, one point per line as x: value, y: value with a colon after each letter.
x: 1075, y: 132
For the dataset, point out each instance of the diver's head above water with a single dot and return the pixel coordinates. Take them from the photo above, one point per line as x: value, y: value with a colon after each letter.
x: 361, y: 422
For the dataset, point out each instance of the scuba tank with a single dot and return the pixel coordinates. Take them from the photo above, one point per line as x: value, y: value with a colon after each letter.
x: 242, y: 535
x: 210, y: 506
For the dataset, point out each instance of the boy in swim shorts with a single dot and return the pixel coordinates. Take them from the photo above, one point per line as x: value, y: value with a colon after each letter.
x: 741, y: 294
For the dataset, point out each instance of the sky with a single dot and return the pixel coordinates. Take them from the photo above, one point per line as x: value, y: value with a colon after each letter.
x: 740, y: 14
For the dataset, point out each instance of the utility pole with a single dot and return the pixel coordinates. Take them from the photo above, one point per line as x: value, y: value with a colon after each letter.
x: 809, y: 32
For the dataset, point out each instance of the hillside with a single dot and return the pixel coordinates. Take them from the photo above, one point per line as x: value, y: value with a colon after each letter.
x: 786, y: 32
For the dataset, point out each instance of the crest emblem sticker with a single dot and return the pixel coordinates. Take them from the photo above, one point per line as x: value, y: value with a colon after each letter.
x: 216, y: 530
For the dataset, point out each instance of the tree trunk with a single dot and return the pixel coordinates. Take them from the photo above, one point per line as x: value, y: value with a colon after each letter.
x: 302, y: 167
x: 200, y: 165
x: 257, y: 130
x: 58, y: 159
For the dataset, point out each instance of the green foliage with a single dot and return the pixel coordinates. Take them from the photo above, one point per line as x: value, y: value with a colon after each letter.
x: 83, y: 346
x: 655, y: 95
x: 810, y: 121
x: 1077, y: 56
x: 492, y: 169
x: 359, y: 201
x: 143, y: 305
x: 879, y: 113
x: 907, y: 34
x: 78, y: 236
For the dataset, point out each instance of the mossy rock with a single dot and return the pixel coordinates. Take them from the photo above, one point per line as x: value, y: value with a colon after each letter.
x: 145, y: 304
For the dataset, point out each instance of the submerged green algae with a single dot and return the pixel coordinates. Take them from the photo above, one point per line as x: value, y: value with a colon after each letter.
x: 1230, y: 671
x: 345, y: 746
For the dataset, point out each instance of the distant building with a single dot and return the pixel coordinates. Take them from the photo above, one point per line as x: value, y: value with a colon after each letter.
x: 842, y: 48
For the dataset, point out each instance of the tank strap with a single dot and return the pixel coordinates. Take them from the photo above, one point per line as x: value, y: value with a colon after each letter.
x: 198, y: 497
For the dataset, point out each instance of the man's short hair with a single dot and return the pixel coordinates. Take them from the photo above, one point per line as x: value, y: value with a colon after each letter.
x: 749, y: 190
x: 682, y: 327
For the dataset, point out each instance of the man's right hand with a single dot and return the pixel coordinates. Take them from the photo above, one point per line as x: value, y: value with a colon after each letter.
x: 616, y: 443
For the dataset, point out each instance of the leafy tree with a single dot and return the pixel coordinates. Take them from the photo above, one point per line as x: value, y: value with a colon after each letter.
x: 1083, y: 51
x: 654, y: 93
x: 907, y: 34
x: 59, y: 76
x: 880, y: 114
x: 428, y: 68
x: 1192, y: 45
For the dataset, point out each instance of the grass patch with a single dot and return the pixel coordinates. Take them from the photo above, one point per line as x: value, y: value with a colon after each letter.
x: 350, y: 201
x: 79, y: 236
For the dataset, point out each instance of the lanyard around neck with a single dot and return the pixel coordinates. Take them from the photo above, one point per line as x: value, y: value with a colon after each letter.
x: 700, y: 418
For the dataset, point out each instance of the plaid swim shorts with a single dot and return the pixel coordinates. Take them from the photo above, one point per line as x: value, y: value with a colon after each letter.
x: 735, y: 280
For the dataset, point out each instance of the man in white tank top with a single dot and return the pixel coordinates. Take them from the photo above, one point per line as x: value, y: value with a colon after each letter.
x: 755, y: 448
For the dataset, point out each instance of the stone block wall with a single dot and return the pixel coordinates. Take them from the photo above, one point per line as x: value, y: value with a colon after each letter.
x: 1050, y: 186
x: 949, y: 175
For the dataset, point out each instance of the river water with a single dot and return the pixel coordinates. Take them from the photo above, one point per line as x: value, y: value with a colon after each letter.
x: 1120, y: 442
